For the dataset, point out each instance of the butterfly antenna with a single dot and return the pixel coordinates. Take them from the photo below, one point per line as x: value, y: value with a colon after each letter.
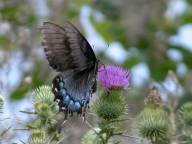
x: 83, y: 118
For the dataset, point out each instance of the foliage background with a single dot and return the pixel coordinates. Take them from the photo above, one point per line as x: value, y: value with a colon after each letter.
x: 151, y: 38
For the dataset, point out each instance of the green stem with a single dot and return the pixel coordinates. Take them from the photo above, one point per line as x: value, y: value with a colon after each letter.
x: 108, y: 136
x: 90, y: 126
x: 174, y: 139
x: 119, y: 120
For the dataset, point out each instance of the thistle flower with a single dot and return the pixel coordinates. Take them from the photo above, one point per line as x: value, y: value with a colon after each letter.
x: 113, y: 77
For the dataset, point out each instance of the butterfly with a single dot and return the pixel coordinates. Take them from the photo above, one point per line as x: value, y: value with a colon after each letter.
x: 69, y: 53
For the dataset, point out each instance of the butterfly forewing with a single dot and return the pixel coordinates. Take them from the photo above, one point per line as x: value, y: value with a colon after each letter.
x: 84, y: 46
x: 66, y: 48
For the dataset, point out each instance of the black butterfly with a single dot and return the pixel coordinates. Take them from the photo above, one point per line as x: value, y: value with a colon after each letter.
x: 69, y: 53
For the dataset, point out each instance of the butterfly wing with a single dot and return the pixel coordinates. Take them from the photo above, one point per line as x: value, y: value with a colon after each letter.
x: 66, y: 49
x: 68, y: 52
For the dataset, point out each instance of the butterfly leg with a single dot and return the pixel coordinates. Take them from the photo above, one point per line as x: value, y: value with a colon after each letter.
x: 71, y: 114
x: 66, y: 114
x: 65, y: 118
x: 83, y: 113
x: 64, y: 121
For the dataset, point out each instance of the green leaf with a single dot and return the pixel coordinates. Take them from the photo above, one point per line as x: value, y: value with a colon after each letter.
x: 160, y: 68
x: 131, y: 62
x: 4, y: 42
x: 20, y: 92
x: 9, y: 13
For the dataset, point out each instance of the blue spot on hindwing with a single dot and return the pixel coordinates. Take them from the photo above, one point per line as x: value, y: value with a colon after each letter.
x: 68, y: 103
x: 71, y: 106
x: 62, y: 92
x: 61, y: 84
x: 85, y: 102
x: 82, y: 102
x: 77, y: 106
x: 66, y: 100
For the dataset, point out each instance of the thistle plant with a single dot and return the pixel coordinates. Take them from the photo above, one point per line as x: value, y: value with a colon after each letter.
x: 44, y: 129
x: 111, y: 105
x: 92, y: 137
x: 43, y: 101
x: 186, y: 113
x: 153, y: 122
x: 185, y: 116
x: 1, y: 111
x: 37, y: 137
x: 5, y: 129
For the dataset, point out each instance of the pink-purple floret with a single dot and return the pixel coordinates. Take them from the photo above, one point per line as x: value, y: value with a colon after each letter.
x: 113, y: 77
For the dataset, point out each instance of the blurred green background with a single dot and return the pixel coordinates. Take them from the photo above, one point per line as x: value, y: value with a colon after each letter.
x: 152, y: 38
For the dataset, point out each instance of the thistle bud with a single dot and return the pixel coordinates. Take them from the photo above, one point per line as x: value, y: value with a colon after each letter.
x: 43, y: 94
x: 186, y: 113
x: 43, y: 100
x: 110, y: 105
x: 153, y: 100
x: 154, y: 125
x: 38, y: 137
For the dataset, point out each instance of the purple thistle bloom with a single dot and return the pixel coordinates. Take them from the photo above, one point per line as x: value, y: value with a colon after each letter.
x: 113, y: 77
